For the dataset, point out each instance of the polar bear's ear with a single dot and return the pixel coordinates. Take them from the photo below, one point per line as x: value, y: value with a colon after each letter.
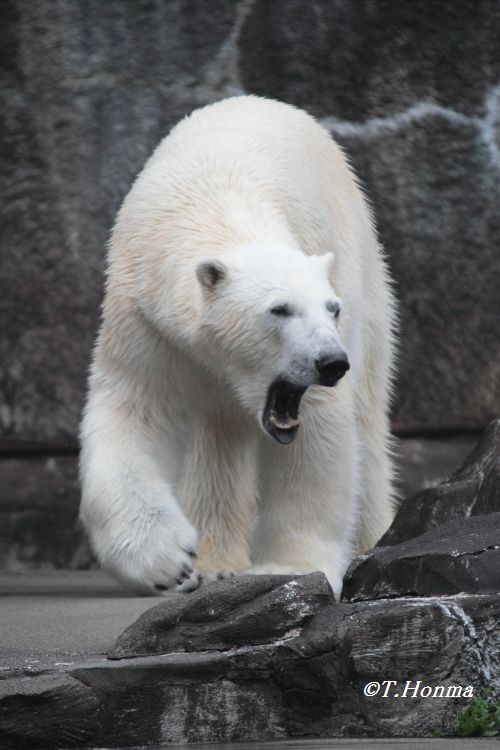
x: 210, y: 273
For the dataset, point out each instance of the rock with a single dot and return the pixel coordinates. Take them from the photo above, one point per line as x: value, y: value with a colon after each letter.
x: 473, y: 489
x: 243, y: 611
x: 130, y: 74
x: 360, y: 48
x: 39, y: 528
x: 304, y: 682
x: 415, y: 105
x: 462, y: 556
x: 437, y: 641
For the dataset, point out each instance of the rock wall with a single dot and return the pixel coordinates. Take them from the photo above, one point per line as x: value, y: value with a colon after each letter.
x: 411, y: 90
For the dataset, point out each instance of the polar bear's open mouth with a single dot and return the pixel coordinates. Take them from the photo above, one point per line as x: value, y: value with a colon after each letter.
x: 281, y: 413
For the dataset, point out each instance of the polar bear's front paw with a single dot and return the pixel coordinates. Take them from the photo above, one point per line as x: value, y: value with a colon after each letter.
x: 153, y: 555
x: 198, y: 579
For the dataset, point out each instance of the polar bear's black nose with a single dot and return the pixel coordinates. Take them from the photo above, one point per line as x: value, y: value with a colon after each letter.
x: 332, y: 367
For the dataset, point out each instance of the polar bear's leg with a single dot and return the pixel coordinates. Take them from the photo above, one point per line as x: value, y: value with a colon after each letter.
x: 136, y: 527
x: 218, y: 494
x: 309, y: 492
x: 376, y: 490
x: 376, y: 471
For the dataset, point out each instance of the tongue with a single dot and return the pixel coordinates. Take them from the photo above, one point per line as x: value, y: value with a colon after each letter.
x: 284, y: 424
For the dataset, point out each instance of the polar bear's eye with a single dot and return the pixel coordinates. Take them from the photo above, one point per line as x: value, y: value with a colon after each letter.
x: 333, y: 307
x: 283, y: 311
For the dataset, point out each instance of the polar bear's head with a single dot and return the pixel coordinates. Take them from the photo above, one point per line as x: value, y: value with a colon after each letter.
x: 269, y: 318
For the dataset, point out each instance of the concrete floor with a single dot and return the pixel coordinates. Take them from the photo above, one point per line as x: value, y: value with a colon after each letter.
x: 61, y: 616
x: 452, y: 743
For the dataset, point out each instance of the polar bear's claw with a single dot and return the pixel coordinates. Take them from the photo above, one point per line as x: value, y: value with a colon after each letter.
x: 151, y: 558
x: 198, y: 579
x: 190, y: 584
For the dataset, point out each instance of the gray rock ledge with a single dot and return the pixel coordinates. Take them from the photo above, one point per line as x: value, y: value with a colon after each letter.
x: 462, y: 556
x: 303, y: 681
x: 244, y: 611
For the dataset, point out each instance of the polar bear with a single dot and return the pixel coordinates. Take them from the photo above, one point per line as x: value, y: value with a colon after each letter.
x: 237, y: 414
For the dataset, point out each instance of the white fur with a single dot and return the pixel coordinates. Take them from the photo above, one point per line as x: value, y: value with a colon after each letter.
x: 173, y: 452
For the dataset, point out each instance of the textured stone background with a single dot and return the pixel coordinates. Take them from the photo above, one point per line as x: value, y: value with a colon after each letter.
x: 411, y: 89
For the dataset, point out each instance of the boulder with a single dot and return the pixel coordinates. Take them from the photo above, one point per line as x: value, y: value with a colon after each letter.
x: 270, y: 658
x: 244, y: 611
x: 456, y: 557
x: 471, y: 490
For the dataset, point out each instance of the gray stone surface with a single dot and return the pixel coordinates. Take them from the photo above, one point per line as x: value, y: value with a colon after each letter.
x: 39, y: 500
x: 473, y: 489
x: 87, y: 92
x: 410, y: 91
x: 462, y: 556
x: 309, y: 682
x: 244, y: 611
